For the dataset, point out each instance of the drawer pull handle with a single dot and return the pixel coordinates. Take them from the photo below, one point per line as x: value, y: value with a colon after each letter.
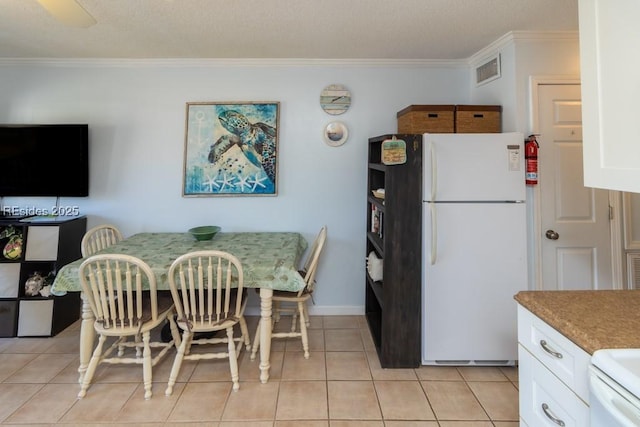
x: 550, y: 350
x: 551, y: 416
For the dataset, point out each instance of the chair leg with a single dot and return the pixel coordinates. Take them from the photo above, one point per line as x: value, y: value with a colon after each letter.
x: 306, y: 314
x: 121, y: 347
x: 175, y: 332
x: 245, y: 333
x: 91, y: 369
x: 138, y: 342
x: 256, y: 342
x: 293, y: 320
x: 147, y: 373
x: 233, y: 359
x: 303, y: 330
x: 177, y: 362
x: 276, y: 311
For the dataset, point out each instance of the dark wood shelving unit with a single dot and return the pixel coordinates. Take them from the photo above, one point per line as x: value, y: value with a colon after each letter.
x: 46, y: 246
x: 393, y: 306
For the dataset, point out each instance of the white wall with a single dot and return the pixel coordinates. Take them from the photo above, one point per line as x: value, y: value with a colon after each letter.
x: 136, y: 113
x: 523, y: 56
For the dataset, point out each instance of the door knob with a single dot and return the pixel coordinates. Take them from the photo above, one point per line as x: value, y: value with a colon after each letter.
x: 552, y: 235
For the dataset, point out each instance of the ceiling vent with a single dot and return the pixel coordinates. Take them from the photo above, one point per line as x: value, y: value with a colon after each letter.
x: 488, y: 71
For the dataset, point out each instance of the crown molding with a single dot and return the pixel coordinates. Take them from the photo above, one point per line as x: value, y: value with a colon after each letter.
x: 231, y: 62
x: 518, y: 36
x: 491, y: 49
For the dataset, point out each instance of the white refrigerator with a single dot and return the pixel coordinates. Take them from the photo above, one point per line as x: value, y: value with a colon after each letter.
x: 474, y: 247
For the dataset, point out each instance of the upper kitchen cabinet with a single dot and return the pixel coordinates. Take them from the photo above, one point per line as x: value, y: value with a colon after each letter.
x: 609, y: 39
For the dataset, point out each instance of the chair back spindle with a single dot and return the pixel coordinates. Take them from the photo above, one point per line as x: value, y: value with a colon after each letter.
x: 311, y: 263
x: 98, y: 238
x: 114, y: 284
x: 205, y: 283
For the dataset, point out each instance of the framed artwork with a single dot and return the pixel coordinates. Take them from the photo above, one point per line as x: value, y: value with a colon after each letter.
x: 336, y: 134
x: 231, y: 149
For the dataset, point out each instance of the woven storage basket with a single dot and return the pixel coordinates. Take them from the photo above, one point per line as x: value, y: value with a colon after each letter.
x: 426, y: 118
x: 478, y: 119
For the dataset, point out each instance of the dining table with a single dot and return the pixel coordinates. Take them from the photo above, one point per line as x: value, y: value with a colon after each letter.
x: 269, y: 261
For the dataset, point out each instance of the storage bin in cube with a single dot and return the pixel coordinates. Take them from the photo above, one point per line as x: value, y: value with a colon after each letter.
x: 8, y: 311
x: 35, y: 317
x: 9, y: 280
x: 42, y: 243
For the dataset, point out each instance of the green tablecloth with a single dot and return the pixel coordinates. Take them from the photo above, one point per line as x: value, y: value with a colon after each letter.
x: 269, y: 260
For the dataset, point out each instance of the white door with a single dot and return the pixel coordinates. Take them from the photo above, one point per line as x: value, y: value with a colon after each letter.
x: 574, y: 232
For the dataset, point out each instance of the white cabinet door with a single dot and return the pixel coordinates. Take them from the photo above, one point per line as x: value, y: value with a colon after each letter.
x: 609, y: 39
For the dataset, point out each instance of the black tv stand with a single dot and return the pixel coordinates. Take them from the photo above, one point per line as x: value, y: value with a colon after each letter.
x: 4, y: 216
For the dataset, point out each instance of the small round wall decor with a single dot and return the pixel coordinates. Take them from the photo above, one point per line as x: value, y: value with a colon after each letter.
x: 335, y: 99
x: 336, y: 134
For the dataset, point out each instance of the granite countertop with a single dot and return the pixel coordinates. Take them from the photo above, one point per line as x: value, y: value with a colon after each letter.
x: 590, y: 319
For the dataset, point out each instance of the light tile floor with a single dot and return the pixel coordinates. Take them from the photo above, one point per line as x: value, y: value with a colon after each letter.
x: 340, y: 385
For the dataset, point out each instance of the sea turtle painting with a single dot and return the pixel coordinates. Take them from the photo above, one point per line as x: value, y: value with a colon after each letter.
x: 231, y: 149
x: 257, y: 141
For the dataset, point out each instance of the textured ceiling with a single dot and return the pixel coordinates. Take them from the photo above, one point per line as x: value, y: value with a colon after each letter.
x: 303, y: 29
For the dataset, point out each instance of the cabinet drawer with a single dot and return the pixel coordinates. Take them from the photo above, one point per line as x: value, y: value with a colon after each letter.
x: 543, y: 397
x: 566, y: 360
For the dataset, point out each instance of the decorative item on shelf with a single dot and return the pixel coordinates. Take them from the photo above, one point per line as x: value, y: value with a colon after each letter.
x: 34, y: 284
x: 336, y: 134
x: 376, y: 221
x: 12, y: 240
x: 379, y: 193
x: 374, y: 267
x: 394, y: 151
x: 45, y: 291
x: 48, y: 282
x: 335, y: 99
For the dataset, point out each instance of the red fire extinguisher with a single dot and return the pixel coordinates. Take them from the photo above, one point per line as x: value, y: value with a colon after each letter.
x: 531, y: 156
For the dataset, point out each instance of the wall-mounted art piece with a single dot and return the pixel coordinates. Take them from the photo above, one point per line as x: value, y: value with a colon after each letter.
x: 231, y: 149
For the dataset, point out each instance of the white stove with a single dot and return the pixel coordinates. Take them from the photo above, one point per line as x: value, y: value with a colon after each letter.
x: 614, y: 387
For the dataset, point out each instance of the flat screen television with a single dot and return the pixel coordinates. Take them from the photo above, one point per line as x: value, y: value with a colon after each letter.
x: 44, y: 160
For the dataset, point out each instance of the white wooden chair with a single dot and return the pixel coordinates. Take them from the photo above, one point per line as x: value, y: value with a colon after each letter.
x: 208, y: 293
x: 299, y: 299
x: 98, y: 238
x: 113, y: 285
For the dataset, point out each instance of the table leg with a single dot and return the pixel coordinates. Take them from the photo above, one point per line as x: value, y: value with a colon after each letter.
x: 87, y: 336
x: 265, y: 332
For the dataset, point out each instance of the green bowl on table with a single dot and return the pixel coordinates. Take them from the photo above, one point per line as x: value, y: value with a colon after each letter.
x: 204, y: 232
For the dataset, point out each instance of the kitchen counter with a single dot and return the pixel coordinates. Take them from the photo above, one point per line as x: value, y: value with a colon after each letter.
x: 590, y: 319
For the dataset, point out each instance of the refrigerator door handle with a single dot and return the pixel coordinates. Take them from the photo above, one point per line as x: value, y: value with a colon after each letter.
x: 434, y: 172
x: 434, y: 235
